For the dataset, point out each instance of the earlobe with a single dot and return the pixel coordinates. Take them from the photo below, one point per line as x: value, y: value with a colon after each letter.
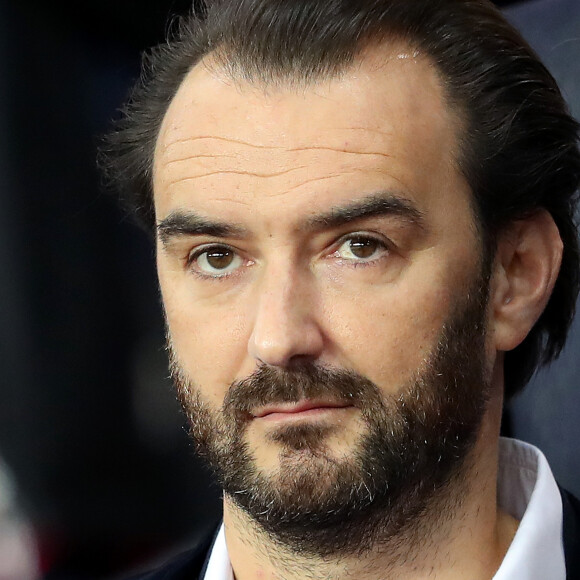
x: 527, y: 262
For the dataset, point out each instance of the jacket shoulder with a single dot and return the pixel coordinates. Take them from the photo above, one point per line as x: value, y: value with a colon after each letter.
x: 571, y: 534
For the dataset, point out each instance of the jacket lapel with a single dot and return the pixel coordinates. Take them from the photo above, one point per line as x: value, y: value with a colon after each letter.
x: 571, y: 534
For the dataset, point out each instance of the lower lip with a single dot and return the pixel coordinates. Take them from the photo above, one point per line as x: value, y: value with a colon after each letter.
x: 315, y: 413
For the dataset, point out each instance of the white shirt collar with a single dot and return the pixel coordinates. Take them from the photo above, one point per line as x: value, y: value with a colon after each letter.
x: 527, y: 490
x: 218, y: 566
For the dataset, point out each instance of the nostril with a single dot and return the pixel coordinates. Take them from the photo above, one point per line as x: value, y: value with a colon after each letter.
x: 284, y: 345
x: 300, y: 360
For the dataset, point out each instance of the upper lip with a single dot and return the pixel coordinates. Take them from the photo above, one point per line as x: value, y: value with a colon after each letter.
x: 298, y: 407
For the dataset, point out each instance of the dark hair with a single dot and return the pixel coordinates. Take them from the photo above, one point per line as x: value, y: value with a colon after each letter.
x: 518, y: 148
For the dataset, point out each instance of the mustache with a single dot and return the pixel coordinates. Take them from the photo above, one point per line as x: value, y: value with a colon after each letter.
x: 270, y: 385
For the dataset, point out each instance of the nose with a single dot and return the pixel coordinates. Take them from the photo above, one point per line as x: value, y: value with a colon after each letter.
x: 285, y: 330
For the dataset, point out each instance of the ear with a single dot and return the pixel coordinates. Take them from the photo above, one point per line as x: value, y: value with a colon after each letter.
x: 527, y: 262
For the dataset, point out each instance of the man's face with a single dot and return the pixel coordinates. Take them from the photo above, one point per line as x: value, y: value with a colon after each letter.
x: 317, y: 230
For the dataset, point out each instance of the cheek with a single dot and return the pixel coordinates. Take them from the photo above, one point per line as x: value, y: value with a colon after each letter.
x: 209, y: 342
x: 388, y: 333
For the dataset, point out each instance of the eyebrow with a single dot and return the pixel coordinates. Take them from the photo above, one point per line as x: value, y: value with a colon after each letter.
x: 378, y: 204
x: 181, y: 223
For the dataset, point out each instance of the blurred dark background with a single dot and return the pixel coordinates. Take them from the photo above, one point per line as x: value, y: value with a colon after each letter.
x: 90, y: 432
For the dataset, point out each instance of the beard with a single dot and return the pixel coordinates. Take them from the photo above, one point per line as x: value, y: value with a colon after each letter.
x: 404, y: 474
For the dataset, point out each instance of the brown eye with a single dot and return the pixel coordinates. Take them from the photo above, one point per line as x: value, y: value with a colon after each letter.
x: 361, y: 249
x: 216, y: 261
x: 219, y: 259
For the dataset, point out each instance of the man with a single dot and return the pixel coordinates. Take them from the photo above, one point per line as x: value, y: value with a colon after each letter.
x: 363, y: 213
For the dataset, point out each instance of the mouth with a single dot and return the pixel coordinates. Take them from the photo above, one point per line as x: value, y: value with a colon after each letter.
x: 299, y: 410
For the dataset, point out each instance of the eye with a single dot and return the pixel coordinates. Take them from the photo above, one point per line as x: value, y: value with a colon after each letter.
x: 215, y: 261
x: 361, y: 249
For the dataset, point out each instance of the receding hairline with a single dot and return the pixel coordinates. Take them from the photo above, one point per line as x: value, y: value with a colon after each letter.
x: 225, y: 66
x: 374, y: 55
x: 225, y: 59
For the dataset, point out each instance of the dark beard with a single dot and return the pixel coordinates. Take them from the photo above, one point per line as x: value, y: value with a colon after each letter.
x: 408, y: 464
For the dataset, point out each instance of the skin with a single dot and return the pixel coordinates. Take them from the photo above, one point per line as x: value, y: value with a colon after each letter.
x: 273, y: 165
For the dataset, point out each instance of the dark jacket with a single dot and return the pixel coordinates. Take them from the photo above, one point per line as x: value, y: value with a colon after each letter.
x: 571, y: 534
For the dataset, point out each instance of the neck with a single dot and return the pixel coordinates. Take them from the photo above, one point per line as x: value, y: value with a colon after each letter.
x: 454, y: 538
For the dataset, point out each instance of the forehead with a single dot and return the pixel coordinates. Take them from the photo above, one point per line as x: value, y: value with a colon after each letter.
x: 385, y: 116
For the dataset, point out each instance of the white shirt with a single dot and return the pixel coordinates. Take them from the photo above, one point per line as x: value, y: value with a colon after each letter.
x: 527, y: 490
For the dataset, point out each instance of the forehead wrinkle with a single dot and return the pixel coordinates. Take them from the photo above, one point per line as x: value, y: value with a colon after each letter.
x: 252, y: 167
x: 289, y: 149
x: 230, y: 200
x: 248, y: 172
x: 170, y: 162
x: 238, y: 163
x: 353, y: 171
x: 315, y: 180
x: 186, y: 140
x: 269, y: 147
x: 170, y: 184
x: 340, y: 130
